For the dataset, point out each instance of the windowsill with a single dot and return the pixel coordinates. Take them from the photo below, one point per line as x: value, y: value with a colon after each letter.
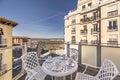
x: 112, y: 30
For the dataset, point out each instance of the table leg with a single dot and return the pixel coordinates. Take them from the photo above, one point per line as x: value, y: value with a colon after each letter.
x: 52, y: 78
x: 71, y: 77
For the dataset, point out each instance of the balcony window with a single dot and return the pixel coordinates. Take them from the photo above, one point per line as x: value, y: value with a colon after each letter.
x: 112, y: 25
x: 73, y: 39
x: 95, y: 15
x: 73, y: 30
x: 83, y: 7
x: 85, y: 17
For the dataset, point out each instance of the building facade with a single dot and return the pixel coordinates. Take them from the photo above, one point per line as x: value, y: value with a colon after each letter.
x: 6, y: 26
x: 94, y: 21
x: 19, y: 40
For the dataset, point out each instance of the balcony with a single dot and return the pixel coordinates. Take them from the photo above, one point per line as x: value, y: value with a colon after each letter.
x: 94, y: 31
x: 94, y: 41
x: 94, y: 18
x: 112, y: 13
x: 3, y: 69
x: 83, y: 31
x: 3, y: 43
x: 112, y: 28
x: 85, y: 20
x: 83, y: 41
x: 112, y: 43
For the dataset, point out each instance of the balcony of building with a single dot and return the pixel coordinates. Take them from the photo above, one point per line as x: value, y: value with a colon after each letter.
x: 3, y: 43
x: 83, y: 41
x: 94, y: 41
x: 3, y: 69
x: 82, y: 67
x: 112, y: 13
x: 83, y: 31
x: 94, y: 31
x: 112, y: 43
x: 112, y: 28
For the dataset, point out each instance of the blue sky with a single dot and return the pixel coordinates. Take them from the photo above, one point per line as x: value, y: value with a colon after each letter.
x: 37, y: 18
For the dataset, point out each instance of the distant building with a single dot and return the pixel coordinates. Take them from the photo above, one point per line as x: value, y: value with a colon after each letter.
x: 19, y: 40
x: 6, y: 26
x: 94, y: 21
x: 50, y: 43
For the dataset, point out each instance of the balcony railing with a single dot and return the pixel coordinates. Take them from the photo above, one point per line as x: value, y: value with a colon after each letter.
x: 83, y: 41
x: 94, y: 31
x: 3, y: 69
x: 85, y: 20
x: 112, y: 43
x: 94, y: 41
x: 112, y: 13
x: 115, y: 28
x: 89, y: 19
x: 83, y: 31
x: 94, y: 18
x: 3, y: 43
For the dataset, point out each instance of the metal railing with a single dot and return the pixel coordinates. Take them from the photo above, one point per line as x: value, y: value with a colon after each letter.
x: 83, y: 31
x: 112, y: 28
x: 112, y: 13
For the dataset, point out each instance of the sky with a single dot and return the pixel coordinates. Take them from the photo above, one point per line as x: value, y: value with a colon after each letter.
x: 37, y: 18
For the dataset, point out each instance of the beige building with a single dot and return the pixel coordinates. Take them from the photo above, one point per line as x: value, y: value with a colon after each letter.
x: 6, y: 26
x: 19, y: 40
x: 94, y: 21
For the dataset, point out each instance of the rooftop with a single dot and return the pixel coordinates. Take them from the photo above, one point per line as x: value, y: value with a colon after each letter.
x: 8, y: 22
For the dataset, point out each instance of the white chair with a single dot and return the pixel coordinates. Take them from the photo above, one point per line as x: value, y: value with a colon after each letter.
x: 74, y: 54
x: 32, y: 67
x: 108, y: 71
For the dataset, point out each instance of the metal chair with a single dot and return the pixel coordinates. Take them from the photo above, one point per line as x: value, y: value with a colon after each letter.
x: 32, y: 67
x: 74, y: 54
x: 108, y: 71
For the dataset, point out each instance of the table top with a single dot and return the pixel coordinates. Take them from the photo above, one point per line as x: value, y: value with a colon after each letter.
x: 59, y: 66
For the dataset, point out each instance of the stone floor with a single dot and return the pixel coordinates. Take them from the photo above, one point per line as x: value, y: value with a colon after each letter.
x: 81, y: 68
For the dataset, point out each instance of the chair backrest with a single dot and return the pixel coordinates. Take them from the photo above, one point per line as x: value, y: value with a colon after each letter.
x: 108, y: 71
x: 30, y: 61
x: 74, y: 54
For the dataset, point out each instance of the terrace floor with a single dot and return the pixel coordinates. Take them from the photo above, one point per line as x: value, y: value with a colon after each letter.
x: 81, y: 68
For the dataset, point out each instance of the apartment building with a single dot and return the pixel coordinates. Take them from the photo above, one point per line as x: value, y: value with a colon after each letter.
x: 6, y: 26
x: 94, y: 21
x: 19, y: 40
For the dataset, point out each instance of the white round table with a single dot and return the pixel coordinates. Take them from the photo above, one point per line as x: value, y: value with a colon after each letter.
x: 59, y: 66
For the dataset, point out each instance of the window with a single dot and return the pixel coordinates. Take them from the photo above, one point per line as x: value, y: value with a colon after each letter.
x: 73, y: 21
x: 83, y: 7
x: 85, y: 28
x: 112, y: 25
x: 85, y: 17
x: 73, y: 39
x: 89, y: 4
x: 95, y: 27
x: 95, y: 15
x: 73, y: 30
